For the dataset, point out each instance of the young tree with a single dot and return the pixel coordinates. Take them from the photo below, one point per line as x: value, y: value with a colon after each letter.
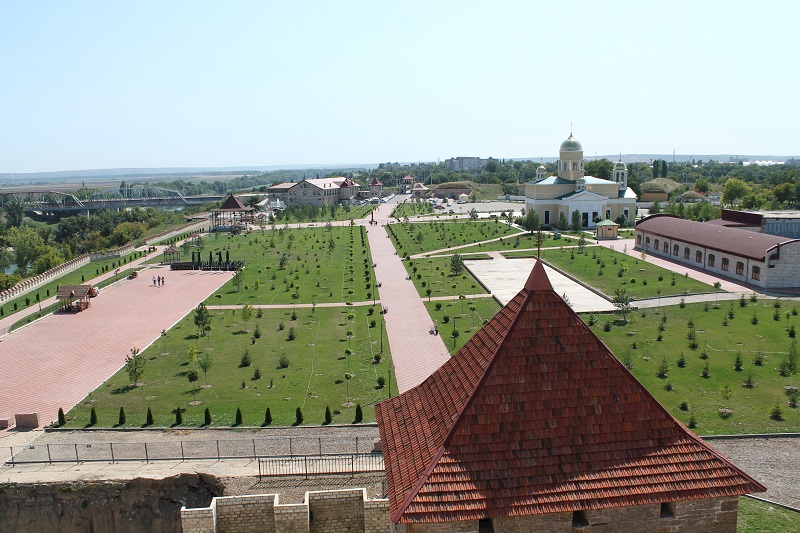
x: 622, y: 301
x: 298, y: 417
x: 207, y: 417
x: 359, y: 414
x: 456, y: 264
x: 577, y: 224
x: 134, y: 365
x: 267, y: 417
x: 93, y: 417
x: 328, y: 416
x: 122, y: 418
x: 148, y: 421
x: 563, y: 225
x: 238, y: 421
x: 62, y: 420
x: 247, y: 313
x: 204, y: 362
x: 238, y: 278
x: 202, y: 319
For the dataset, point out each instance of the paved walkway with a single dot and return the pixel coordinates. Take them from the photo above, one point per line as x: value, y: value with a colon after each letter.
x: 57, y: 361
x: 10, y: 320
x: 415, y: 352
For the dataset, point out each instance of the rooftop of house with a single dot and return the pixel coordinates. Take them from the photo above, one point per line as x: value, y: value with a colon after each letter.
x: 535, y: 415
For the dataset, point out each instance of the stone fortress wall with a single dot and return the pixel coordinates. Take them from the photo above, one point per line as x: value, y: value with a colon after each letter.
x: 349, y: 510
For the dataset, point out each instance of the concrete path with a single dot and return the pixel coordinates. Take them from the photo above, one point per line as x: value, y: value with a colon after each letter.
x: 57, y: 361
x: 506, y: 277
x: 415, y: 352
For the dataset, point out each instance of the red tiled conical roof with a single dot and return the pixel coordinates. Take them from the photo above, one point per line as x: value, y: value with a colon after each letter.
x: 535, y: 415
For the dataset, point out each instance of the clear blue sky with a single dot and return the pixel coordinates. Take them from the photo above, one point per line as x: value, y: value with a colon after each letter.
x: 111, y: 84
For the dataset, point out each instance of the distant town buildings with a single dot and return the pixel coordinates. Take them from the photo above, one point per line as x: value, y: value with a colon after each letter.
x: 571, y: 190
x: 465, y: 163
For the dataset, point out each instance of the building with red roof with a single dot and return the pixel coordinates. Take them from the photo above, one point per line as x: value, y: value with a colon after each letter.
x: 764, y: 260
x: 534, y: 425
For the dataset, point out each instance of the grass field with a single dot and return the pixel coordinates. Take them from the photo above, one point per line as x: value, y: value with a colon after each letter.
x: 421, y: 237
x: 720, y: 339
x: 412, y: 209
x: 465, y: 315
x: 608, y: 270
x: 514, y: 242
x: 759, y: 517
x: 434, y: 273
x: 76, y: 277
x: 314, y: 377
x: 321, y: 265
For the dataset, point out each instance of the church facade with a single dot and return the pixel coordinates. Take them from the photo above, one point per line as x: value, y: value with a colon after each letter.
x: 572, y: 190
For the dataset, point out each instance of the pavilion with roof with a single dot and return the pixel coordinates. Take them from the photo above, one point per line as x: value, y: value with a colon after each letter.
x: 534, y: 425
x: 232, y: 215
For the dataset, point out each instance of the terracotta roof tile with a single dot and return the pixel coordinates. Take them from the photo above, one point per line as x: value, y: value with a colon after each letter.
x: 535, y: 415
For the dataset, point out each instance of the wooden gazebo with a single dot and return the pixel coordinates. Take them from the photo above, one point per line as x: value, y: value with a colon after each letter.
x: 74, y: 297
x: 231, y: 216
x: 171, y: 255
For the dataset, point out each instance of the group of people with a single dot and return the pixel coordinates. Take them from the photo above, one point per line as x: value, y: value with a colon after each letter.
x: 158, y: 281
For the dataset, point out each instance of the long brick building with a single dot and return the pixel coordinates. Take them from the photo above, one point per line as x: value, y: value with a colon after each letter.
x: 768, y: 261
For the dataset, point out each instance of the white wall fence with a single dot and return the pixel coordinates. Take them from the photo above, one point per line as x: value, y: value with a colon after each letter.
x: 31, y: 284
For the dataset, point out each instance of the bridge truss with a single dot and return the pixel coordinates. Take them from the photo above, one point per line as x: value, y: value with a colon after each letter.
x: 131, y: 196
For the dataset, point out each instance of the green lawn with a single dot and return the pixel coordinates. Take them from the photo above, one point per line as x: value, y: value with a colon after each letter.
x: 412, y: 209
x: 293, y: 215
x: 520, y: 240
x: 720, y: 343
x: 467, y: 316
x: 421, y: 237
x: 321, y: 265
x: 314, y: 378
x: 76, y: 277
x: 759, y: 517
x: 434, y: 273
x: 608, y: 270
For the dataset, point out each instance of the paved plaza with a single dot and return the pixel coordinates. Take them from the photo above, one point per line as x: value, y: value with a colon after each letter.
x: 506, y: 277
x: 55, y: 362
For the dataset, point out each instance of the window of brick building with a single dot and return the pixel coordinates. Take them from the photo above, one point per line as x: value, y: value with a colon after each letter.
x: 739, y: 268
x: 725, y: 264
x: 686, y: 253
x: 698, y: 256
x: 756, y: 273
x: 711, y: 260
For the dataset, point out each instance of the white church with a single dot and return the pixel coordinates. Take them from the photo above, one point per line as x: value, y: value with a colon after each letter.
x: 571, y: 190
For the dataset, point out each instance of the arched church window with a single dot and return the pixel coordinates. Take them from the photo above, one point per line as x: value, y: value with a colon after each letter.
x: 574, y: 166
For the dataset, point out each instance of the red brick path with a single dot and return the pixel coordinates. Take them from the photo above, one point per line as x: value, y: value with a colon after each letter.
x: 415, y: 352
x: 57, y: 361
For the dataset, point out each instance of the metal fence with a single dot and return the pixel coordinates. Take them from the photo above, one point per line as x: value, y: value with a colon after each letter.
x: 320, y: 465
x: 187, y: 450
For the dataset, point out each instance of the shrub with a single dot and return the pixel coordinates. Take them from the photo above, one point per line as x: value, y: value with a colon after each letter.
x: 246, y: 360
x: 377, y: 358
x: 359, y: 414
x: 446, y: 319
x: 294, y: 315
x: 298, y: 417
x: 122, y: 418
x: 291, y: 336
x: 692, y: 421
x: 742, y: 301
x: 794, y: 396
x: 207, y: 418
x: 256, y: 374
x: 93, y: 417
x: 283, y: 362
x: 607, y: 326
x: 148, y: 421
x: 749, y: 382
x: 267, y: 417
x: 381, y: 382
x: 758, y: 360
x: 62, y: 420
x: 178, y: 417
x: 681, y: 361
x: 372, y: 323
x: 257, y: 332
x: 328, y: 417
x: 792, y: 333
x: 438, y: 306
x: 754, y: 320
x: 238, y: 421
x: 684, y: 406
x: 737, y: 365
x: 776, y: 413
x: 281, y: 326
x: 705, y: 373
